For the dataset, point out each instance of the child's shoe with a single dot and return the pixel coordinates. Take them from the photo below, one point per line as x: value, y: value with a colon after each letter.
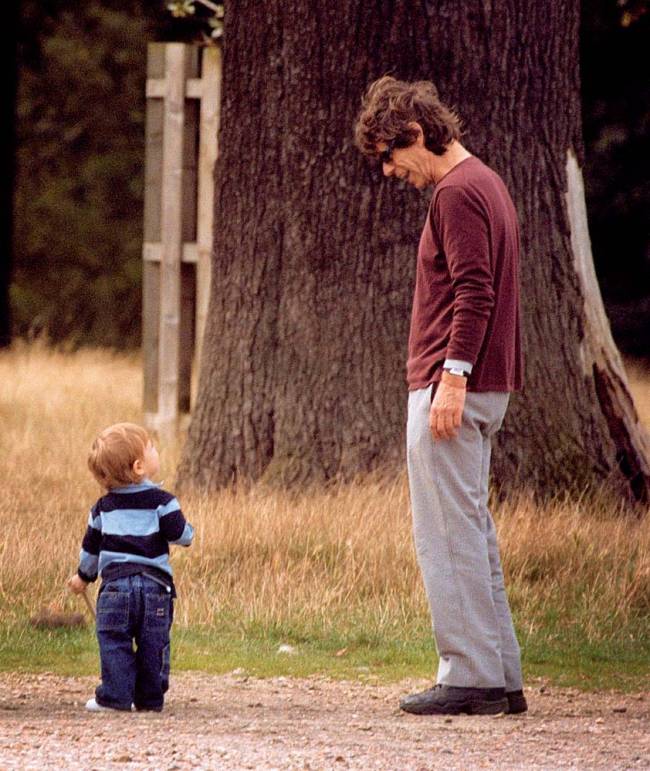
x: 93, y: 706
x: 146, y: 709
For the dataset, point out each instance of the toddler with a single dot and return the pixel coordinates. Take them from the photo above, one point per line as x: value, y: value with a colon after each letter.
x: 127, y: 544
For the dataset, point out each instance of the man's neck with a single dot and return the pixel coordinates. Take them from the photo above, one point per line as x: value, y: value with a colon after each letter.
x: 454, y: 155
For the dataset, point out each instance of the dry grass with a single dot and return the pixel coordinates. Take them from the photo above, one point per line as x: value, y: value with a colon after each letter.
x: 639, y: 378
x: 338, y: 559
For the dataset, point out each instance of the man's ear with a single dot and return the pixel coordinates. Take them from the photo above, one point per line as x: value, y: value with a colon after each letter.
x: 415, y: 127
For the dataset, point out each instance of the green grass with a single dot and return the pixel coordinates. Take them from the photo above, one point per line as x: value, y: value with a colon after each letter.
x: 562, y: 657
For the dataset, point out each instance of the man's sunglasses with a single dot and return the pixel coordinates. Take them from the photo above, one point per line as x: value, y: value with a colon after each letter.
x: 386, y: 156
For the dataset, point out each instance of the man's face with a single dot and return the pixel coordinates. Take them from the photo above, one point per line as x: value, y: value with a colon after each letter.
x: 407, y: 163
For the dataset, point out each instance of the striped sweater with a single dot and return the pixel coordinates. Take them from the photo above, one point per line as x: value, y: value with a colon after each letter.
x: 129, y: 531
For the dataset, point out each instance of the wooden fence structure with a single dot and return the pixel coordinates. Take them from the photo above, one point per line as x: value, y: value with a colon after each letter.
x: 182, y: 121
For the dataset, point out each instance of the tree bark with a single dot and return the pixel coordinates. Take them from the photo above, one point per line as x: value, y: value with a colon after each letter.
x: 314, y: 252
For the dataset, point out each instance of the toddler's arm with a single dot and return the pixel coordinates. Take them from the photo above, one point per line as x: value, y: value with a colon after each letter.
x: 90, y: 547
x: 173, y: 525
x: 76, y: 584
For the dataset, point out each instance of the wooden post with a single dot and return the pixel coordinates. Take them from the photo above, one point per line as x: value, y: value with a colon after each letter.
x: 208, y: 150
x: 171, y: 238
x: 181, y: 145
x: 152, y: 206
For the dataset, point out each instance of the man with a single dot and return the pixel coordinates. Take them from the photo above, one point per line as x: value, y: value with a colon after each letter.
x: 464, y: 359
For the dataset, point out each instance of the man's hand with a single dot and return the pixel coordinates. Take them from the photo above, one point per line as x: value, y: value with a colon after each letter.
x: 447, y: 406
x: 76, y: 584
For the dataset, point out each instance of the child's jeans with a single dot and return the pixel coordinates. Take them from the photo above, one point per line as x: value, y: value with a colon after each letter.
x: 134, y: 609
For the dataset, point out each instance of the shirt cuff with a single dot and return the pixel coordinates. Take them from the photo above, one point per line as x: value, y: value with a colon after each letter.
x: 458, y: 364
x: 85, y: 577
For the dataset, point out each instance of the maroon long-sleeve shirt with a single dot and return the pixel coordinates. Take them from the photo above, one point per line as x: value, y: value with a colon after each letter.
x: 466, y: 302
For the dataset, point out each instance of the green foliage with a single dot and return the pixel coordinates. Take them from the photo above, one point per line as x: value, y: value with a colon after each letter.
x: 212, y: 13
x: 78, y: 227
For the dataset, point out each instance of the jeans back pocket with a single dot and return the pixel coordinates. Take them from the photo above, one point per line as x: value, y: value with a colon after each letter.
x: 112, y: 611
x: 157, y: 610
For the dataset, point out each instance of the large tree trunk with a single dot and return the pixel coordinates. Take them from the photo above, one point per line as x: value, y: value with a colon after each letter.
x: 303, y: 370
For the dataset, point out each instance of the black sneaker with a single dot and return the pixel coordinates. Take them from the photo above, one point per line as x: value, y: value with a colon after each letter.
x: 450, y: 700
x: 516, y: 702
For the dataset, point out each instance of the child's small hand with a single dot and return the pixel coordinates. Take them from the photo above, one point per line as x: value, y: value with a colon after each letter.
x: 76, y: 584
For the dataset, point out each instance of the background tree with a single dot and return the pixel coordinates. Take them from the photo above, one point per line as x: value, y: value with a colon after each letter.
x: 79, y: 187
x: 7, y: 163
x: 302, y: 376
x: 616, y: 118
x: 55, y: 288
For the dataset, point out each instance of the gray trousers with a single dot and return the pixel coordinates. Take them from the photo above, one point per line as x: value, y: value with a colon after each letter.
x: 456, y: 544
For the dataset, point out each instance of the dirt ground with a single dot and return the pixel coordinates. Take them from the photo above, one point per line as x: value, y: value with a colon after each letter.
x: 236, y: 722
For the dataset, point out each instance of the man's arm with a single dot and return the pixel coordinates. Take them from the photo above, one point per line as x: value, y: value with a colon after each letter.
x: 463, y: 231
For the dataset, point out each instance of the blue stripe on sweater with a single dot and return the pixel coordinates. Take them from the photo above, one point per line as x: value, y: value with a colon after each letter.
x: 168, y: 508
x: 108, y: 557
x: 88, y: 563
x: 130, y: 522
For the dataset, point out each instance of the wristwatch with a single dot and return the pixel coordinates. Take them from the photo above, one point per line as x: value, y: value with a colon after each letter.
x: 456, y: 371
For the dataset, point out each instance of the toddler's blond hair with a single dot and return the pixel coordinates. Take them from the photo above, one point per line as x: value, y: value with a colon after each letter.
x: 115, y: 451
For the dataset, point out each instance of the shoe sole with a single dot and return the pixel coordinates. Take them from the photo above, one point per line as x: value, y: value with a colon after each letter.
x: 471, y: 708
x: 518, y: 710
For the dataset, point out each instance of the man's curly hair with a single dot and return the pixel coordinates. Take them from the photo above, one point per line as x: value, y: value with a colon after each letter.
x: 390, y: 105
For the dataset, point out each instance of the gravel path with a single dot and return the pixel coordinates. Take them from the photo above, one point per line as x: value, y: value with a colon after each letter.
x: 236, y: 722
